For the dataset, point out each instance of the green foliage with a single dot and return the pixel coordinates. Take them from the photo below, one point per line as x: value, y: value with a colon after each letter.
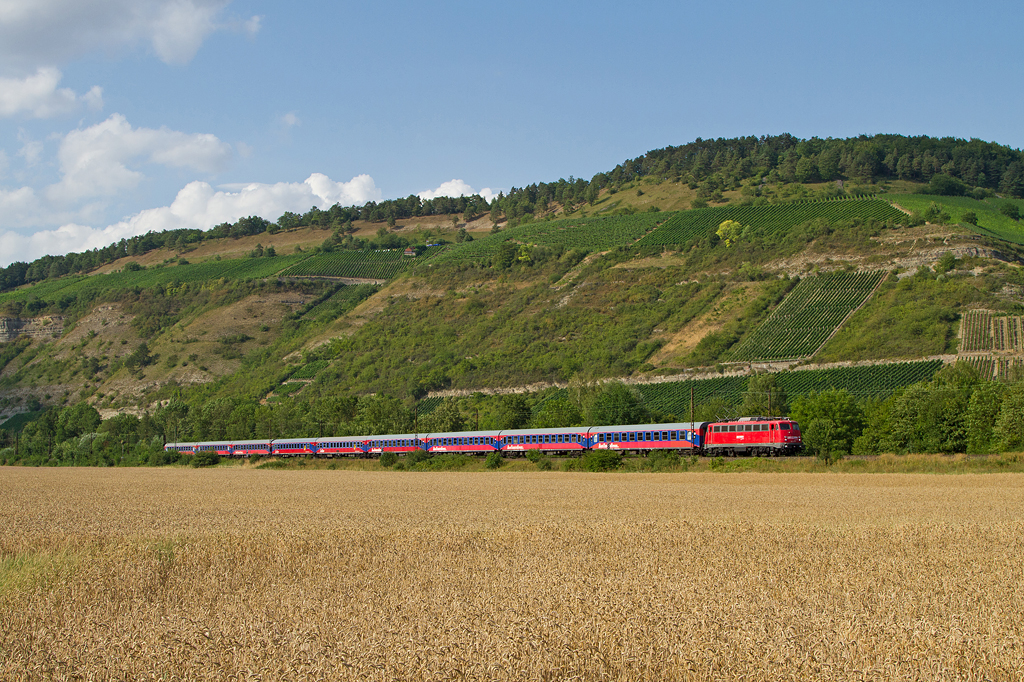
x: 1009, y: 426
x: 558, y: 412
x: 944, y: 185
x: 601, y: 460
x: 205, y: 458
x: 443, y: 462
x: 444, y: 418
x: 711, y: 347
x: 982, y: 412
x: 830, y: 422
x: 615, y: 403
x: 417, y: 456
x: 729, y: 231
x: 764, y: 396
x: 382, y: 414
x: 494, y: 460
x: 388, y: 459
x: 515, y: 411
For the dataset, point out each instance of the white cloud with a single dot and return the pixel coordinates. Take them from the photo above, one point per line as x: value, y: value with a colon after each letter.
x: 197, y: 205
x: 38, y: 95
x: 456, y: 188
x: 19, y: 206
x: 290, y: 119
x: 34, y: 32
x: 95, y: 161
x: 31, y: 150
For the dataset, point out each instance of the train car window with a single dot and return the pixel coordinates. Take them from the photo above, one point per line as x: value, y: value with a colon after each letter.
x: 632, y: 436
x: 784, y: 427
x: 657, y: 435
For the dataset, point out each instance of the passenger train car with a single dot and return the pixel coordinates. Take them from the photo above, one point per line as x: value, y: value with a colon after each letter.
x: 758, y: 436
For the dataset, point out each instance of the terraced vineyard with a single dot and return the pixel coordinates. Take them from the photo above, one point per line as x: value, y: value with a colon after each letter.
x: 309, y: 370
x: 674, y: 397
x: 806, y: 317
x: 236, y: 268
x: 687, y: 226
x: 587, y: 234
x: 864, y: 381
x: 976, y: 331
x: 991, y: 222
x: 982, y: 331
x: 382, y: 264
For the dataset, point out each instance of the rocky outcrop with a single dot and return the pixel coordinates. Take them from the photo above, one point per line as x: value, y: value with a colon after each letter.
x: 49, y: 327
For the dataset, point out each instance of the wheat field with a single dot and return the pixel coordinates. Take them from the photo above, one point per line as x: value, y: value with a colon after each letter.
x: 236, y: 574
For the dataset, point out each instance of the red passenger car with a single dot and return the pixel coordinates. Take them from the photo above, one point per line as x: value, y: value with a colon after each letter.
x: 759, y: 436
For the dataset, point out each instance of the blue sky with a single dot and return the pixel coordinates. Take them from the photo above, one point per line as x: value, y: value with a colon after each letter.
x: 122, y: 116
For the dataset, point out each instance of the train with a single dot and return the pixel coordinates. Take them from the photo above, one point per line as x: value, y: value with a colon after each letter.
x: 746, y: 436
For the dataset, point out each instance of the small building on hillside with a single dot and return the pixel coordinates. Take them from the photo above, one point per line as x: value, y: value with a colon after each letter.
x: 409, y: 252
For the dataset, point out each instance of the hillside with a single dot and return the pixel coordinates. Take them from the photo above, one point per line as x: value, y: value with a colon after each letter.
x: 630, y: 284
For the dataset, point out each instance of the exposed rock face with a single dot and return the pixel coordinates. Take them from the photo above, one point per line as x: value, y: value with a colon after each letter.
x: 49, y: 327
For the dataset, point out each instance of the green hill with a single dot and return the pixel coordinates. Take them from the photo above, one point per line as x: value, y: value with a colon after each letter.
x: 557, y: 287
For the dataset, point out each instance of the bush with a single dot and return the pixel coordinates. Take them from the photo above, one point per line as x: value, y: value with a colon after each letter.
x: 660, y: 460
x: 544, y: 464
x: 205, y: 458
x: 417, y: 456
x: 494, y: 460
x: 388, y: 459
x: 451, y: 461
x: 602, y: 460
x: 533, y: 455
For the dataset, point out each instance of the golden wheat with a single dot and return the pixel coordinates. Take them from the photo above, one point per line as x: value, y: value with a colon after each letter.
x: 266, y: 575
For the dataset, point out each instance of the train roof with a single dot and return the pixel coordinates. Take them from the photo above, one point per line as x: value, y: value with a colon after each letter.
x: 673, y: 426
x: 361, y: 439
x: 744, y: 420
